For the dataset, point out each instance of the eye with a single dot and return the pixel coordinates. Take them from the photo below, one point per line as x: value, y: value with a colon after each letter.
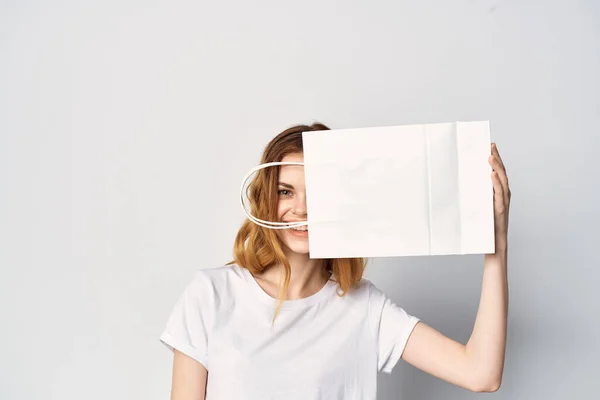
x: 280, y: 192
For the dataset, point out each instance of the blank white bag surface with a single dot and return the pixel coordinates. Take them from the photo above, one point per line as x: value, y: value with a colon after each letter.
x: 399, y: 191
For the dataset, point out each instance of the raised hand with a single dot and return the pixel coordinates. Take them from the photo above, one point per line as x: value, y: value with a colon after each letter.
x: 501, y: 196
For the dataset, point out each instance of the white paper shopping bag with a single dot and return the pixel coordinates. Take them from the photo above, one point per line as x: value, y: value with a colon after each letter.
x: 399, y: 191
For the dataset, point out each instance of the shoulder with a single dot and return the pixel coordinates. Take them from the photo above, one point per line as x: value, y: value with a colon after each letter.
x: 359, y: 296
x: 374, y: 297
x: 364, y: 289
x: 212, y: 282
x: 219, y: 274
x: 372, y: 301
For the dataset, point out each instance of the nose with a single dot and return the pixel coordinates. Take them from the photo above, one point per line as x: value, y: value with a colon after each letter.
x: 299, y: 207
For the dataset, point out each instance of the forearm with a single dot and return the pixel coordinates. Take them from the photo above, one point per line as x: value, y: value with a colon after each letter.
x: 487, y: 344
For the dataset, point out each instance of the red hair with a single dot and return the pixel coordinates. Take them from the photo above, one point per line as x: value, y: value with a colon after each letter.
x: 257, y: 248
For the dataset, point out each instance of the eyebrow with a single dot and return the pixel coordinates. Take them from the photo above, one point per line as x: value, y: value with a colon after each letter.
x: 287, y: 185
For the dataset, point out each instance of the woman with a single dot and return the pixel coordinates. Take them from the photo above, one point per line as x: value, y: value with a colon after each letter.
x: 331, y: 330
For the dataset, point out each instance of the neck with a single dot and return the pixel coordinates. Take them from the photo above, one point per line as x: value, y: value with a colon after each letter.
x: 308, y: 276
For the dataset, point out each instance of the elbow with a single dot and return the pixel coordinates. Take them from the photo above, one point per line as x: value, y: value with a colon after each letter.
x: 488, y: 380
x: 489, y: 387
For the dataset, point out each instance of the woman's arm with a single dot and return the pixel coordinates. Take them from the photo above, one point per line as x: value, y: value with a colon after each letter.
x: 479, y: 364
x: 189, y: 378
x: 487, y: 344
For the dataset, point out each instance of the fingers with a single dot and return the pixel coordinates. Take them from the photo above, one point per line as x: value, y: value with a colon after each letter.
x: 496, y: 162
x: 499, y: 199
x: 497, y: 154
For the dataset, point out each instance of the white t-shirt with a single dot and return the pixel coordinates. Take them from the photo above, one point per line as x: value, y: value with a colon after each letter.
x: 321, y: 347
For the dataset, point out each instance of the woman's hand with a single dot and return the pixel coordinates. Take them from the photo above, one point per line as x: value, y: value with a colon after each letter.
x: 501, y: 198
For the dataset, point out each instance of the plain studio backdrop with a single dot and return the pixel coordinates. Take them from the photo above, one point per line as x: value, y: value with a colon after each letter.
x: 126, y: 127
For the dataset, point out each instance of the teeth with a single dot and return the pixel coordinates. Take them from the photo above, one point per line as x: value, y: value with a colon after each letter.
x: 301, y: 228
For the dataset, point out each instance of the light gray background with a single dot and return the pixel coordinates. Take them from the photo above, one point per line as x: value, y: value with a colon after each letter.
x: 126, y: 127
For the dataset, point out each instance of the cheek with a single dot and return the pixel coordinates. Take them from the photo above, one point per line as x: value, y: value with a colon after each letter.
x: 280, y: 211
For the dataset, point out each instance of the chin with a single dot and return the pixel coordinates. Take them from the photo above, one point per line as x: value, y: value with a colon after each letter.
x: 293, y: 243
x: 296, y: 245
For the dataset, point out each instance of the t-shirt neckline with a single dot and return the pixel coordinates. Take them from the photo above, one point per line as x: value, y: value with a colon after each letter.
x: 323, y: 293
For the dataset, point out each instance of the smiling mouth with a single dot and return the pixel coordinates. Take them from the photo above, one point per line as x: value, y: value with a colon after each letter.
x: 300, y: 229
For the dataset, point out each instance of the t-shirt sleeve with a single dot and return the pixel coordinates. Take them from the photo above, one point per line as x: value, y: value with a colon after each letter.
x: 391, y: 326
x: 188, y: 326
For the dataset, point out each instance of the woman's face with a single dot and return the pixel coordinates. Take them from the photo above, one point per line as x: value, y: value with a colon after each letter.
x: 291, y: 205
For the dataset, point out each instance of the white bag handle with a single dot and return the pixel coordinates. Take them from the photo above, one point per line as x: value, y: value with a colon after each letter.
x: 268, y: 224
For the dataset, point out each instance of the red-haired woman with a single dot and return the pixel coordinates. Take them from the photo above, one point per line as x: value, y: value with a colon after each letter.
x: 276, y: 324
